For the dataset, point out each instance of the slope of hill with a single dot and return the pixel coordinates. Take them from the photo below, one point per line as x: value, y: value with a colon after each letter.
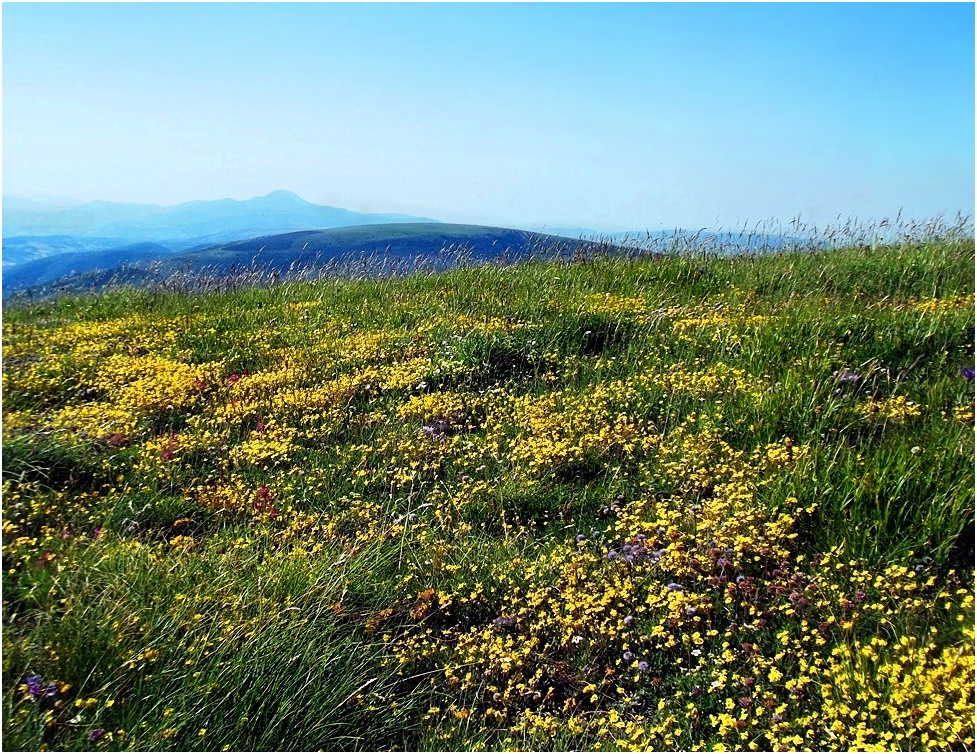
x: 20, y: 249
x: 375, y: 249
x: 44, y: 271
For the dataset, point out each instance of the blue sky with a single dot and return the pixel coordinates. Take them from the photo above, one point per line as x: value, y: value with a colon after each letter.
x: 605, y: 116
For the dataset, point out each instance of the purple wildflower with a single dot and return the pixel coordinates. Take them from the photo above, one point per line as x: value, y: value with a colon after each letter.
x: 35, y: 688
x: 968, y: 373
x: 628, y: 620
x: 96, y: 734
x: 506, y: 621
x: 34, y: 685
x: 612, y: 555
x: 643, y: 666
x: 673, y: 587
x: 797, y: 599
x: 581, y: 537
x: 628, y: 656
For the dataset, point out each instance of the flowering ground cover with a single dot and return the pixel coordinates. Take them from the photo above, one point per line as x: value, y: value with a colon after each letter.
x: 609, y: 505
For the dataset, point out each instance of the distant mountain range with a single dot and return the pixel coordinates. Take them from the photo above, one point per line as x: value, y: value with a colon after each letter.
x: 52, y: 245
x: 34, y: 229
x: 58, y: 244
x: 371, y: 249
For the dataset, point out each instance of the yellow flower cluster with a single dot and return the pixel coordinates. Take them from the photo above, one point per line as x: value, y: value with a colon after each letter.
x: 879, y: 694
x: 943, y: 305
x: 896, y: 409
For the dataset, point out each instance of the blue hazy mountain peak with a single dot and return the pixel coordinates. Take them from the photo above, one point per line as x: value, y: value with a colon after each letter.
x: 185, y: 225
x: 281, y: 197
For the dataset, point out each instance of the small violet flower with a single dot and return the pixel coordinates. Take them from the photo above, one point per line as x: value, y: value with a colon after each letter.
x: 34, y: 685
x: 36, y: 689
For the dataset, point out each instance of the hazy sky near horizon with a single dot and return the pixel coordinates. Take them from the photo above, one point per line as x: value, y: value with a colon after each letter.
x: 606, y: 116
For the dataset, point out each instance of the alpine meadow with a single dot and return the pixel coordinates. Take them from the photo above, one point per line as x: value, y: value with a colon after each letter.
x: 649, y: 502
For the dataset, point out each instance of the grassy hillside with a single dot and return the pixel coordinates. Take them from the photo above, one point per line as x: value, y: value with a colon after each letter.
x: 19, y: 250
x: 647, y: 504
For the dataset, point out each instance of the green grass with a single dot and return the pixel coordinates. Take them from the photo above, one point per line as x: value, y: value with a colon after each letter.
x: 199, y: 582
